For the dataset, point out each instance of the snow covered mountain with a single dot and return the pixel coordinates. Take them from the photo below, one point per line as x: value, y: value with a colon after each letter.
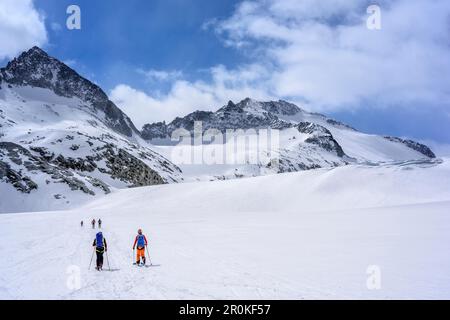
x: 36, y: 68
x: 62, y: 141
x: 306, y: 140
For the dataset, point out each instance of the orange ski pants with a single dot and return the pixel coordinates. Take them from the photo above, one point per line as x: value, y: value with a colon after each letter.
x: 140, y: 252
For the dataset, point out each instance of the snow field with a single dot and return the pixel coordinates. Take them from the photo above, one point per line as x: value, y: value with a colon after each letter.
x: 302, y: 235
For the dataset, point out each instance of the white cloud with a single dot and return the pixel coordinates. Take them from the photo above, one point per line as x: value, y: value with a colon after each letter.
x: 185, y: 97
x: 323, y: 52
x: 320, y: 53
x: 160, y: 75
x: 21, y: 27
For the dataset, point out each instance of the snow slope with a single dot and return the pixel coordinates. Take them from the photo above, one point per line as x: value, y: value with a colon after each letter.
x: 302, y: 235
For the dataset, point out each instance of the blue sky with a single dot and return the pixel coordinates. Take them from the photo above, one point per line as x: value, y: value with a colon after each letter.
x: 159, y: 59
x: 117, y: 37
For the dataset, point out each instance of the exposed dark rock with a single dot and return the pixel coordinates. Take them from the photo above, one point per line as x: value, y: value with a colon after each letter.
x: 57, y: 168
x: 99, y: 184
x: 73, y: 183
x: 339, y: 124
x: 124, y: 166
x: 80, y: 164
x: 230, y: 117
x: 321, y: 137
x: 21, y: 183
x: 419, y: 147
x: 43, y: 152
x: 154, y: 130
x: 280, y: 107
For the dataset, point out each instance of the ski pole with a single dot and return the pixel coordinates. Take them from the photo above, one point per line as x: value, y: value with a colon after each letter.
x: 134, y: 261
x: 107, y: 260
x: 148, y: 256
x: 91, y: 259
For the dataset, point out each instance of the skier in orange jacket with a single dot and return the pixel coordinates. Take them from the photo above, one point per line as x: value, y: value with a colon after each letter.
x: 141, y: 242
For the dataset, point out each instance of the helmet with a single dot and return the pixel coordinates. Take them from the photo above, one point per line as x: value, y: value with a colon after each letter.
x: 139, y: 231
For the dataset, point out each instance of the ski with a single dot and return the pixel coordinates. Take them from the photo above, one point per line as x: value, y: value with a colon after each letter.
x: 146, y: 265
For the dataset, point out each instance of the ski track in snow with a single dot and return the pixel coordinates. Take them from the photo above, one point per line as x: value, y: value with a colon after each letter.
x: 303, y: 235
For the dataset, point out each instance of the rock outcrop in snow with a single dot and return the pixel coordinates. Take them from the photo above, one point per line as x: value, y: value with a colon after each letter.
x: 419, y: 147
x: 321, y: 137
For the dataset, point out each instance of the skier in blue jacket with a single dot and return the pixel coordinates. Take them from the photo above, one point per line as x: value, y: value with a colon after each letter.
x: 100, y: 248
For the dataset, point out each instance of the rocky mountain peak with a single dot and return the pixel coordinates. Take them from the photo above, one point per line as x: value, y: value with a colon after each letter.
x: 279, y: 107
x: 33, y: 53
x: 231, y: 107
x: 36, y: 68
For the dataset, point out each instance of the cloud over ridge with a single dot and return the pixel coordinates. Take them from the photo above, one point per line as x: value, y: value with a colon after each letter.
x: 21, y: 27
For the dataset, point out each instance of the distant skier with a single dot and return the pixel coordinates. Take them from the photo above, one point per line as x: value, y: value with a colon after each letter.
x: 81, y: 223
x: 100, y: 248
x: 141, y: 242
x: 99, y: 223
x: 93, y: 223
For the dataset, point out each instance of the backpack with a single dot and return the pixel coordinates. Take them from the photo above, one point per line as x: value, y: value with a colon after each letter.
x: 99, y: 240
x: 140, y: 240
